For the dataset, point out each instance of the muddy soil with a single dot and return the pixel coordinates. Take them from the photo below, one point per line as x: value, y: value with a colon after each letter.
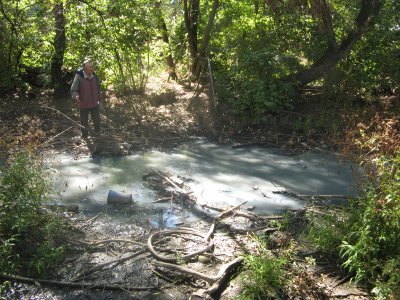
x: 115, y: 257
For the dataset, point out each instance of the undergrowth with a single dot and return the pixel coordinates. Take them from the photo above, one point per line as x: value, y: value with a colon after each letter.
x: 263, y: 274
x: 28, y: 234
x: 364, y: 236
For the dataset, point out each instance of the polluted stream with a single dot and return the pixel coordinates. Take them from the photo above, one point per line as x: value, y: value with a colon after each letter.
x: 268, y: 179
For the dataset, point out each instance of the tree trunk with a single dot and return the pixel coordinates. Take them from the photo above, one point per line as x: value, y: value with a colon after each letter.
x: 59, y: 50
x: 164, y: 32
x: 328, y: 28
x: 334, y: 53
x: 13, y: 53
x: 200, y: 60
x: 191, y: 14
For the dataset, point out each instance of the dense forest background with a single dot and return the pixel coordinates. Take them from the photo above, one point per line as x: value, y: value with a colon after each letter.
x: 259, y: 61
x: 260, y: 52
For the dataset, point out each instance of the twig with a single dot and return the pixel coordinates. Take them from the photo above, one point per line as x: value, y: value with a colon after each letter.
x: 157, y: 139
x: 347, y: 295
x: 163, y: 276
x: 210, y: 232
x: 62, y: 185
x: 227, y: 212
x: 169, y: 232
x: 96, y: 243
x: 90, y: 221
x: 221, y: 216
x: 115, y: 261
x: 238, y: 213
x: 57, y: 135
x: 74, y: 285
x: 171, y: 182
x: 223, y: 273
x: 213, y: 281
x: 164, y: 199
x: 341, y: 281
x: 56, y: 110
x: 322, y: 196
x: 264, y: 228
x: 246, y: 214
x: 208, y: 279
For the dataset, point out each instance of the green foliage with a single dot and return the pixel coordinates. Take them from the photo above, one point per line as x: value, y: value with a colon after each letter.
x: 251, y: 49
x: 303, y: 124
x: 327, y: 229
x: 263, y: 274
x: 120, y: 37
x: 372, y: 67
x: 252, y: 52
x: 25, y: 29
x: 247, y: 66
x: 27, y: 233
x: 365, y: 235
x: 254, y: 49
x: 371, y: 249
x: 388, y: 285
x: 46, y: 256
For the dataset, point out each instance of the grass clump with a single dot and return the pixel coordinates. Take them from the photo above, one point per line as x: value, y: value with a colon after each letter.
x: 28, y: 234
x: 263, y: 274
x: 327, y: 229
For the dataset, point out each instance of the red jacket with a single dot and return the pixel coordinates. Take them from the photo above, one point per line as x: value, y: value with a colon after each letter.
x: 88, y: 90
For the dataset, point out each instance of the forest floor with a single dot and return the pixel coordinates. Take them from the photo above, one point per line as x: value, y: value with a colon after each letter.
x: 168, y: 115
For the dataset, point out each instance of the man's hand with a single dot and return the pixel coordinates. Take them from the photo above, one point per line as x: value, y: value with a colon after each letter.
x: 77, y: 100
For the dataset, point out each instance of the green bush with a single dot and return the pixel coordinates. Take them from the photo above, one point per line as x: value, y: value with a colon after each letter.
x: 28, y: 234
x: 365, y: 235
x: 371, y: 249
x: 263, y: 274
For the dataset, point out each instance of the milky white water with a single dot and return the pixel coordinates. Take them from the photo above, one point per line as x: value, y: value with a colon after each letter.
x: 218, y: 175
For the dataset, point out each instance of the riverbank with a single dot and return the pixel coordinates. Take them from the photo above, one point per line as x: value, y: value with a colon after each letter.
x: 132, y: 124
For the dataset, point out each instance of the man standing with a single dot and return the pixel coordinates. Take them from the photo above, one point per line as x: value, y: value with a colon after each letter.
x: 86, y: 91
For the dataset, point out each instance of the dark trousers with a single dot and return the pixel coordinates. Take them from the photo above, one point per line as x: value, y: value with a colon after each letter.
x: 95, y: 113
